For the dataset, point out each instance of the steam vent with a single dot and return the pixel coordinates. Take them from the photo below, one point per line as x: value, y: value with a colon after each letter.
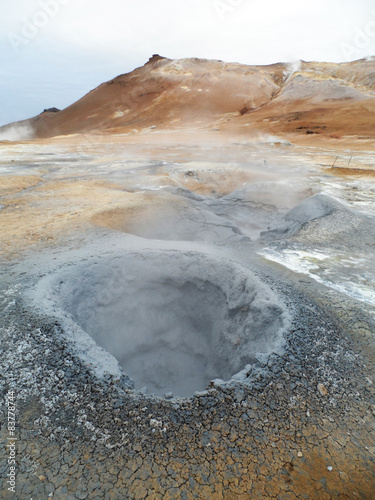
x: 173, y: 321
x: 187, y: 286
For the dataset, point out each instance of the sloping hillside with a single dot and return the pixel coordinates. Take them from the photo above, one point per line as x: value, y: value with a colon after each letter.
x: 287, y: 99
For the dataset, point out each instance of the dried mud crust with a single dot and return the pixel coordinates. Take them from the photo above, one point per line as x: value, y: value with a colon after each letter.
x: 302, y: 428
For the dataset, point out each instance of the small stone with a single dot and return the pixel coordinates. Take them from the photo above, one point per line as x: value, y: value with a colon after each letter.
x: 330, y: 468
x: 323, y: 391
x: 300, y: 454
x: 42, y: 478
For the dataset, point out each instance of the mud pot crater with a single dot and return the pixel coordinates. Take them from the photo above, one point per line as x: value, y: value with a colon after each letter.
x: 173, y: 320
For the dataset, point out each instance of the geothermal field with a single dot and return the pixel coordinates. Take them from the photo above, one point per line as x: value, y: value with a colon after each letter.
x: 187, y: 285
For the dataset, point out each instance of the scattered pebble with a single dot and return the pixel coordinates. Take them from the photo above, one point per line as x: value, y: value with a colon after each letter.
x: 323, y: 391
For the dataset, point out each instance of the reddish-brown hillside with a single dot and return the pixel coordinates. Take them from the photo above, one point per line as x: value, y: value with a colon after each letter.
x: 292, y: 100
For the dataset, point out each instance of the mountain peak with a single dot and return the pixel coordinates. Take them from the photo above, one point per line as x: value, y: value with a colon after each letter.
x: 155, y: 58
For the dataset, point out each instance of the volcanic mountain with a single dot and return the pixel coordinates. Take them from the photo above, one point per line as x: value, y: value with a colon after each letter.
x: 292, y: 100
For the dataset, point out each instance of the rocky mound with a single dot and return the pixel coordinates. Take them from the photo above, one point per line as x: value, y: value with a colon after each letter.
x: 322, y: 220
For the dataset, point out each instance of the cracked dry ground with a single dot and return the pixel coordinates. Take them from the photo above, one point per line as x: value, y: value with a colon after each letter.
x: 304, y: 429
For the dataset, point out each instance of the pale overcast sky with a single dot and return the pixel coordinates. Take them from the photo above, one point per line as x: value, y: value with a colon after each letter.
x: 52, y: 52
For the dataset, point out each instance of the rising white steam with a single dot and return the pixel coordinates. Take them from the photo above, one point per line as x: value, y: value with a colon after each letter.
x: 292, y: 67
x: 16, y: 133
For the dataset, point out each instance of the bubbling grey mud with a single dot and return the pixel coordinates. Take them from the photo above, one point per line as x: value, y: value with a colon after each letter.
x: 173, y: 320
